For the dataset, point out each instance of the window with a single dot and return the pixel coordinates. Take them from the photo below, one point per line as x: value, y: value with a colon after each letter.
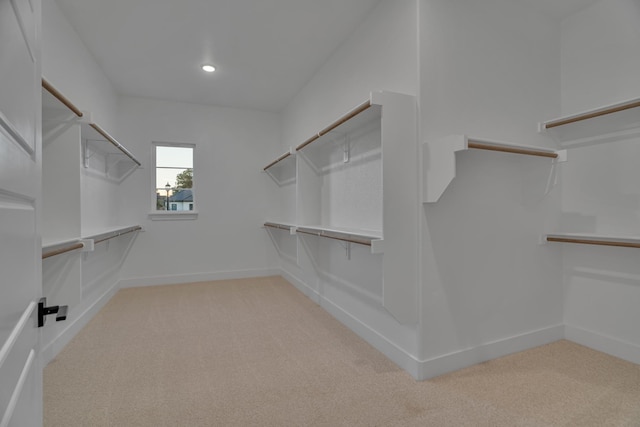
x: 173, y: 194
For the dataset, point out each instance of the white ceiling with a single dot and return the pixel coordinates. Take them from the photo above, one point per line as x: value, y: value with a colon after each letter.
x: 264, y: 50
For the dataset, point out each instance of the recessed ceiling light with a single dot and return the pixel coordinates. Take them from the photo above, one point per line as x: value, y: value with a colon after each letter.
x: 208, y: 68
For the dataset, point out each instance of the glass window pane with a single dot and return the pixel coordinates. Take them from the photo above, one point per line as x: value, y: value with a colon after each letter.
x: 174, y: 157
x: 170, y: 176
x: 174, y: 177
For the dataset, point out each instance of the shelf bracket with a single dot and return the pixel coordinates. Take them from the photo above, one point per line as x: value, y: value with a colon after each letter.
x: 87, y: 154
x: 347, y: 249
x: 89, y: 245
x: 439, y: 163
x: 112, y: 161
x: 346, y: 154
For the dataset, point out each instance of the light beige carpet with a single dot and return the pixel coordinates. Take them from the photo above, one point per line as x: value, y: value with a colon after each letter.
x: 257, y: 352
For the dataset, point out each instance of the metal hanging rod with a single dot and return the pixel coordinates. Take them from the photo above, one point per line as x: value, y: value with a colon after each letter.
x: 593, y: 241
x: 359, y: 109
x: 279, y: 159
x: 118, y: 234
x: 278, y: 226
x: 114, y: 142
x: 602, y: 112
x: 506, y: 149
x: 334, y: 236
x: 69, y: 248
x: 60, y: 97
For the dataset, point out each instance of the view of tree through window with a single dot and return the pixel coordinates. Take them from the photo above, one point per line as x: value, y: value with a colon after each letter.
x: 174, y: 177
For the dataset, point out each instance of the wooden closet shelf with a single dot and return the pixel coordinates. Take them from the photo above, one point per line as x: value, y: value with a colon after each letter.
x: 102, y: 237
x: 60, y: 247
x: 93, y: 134
x: 329, y: 233
x: 599, y: 240
x: 114, y: 142
x: 480, y: 145
x: 345, y: 236
x: 62, y: 250
x: 351, y: 114
x: 439, y: 158
x: 610, y: 109
x: 279, y: 226
x: 60, y: 97
x: 276, y: 161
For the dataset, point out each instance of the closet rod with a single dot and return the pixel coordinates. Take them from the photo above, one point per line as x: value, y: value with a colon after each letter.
x: 528, y: 152
x: 137, y: 228
x: 114, y: 142
x: 603, y: 112
x: 60, y: 97
x: 359, y: 109
x: 328, y: 236
x: 284, y: 156
x: 278, y: 226
x: 593, y: 242
x: 63, y: 250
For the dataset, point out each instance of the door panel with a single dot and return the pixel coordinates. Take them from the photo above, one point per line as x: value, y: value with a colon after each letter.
x: 18, y: 66
x: 17, y: 372
x: 20, y: 196
x: 21, y: 287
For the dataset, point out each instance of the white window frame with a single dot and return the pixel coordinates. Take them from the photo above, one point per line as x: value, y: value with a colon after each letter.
x: 169, y: 214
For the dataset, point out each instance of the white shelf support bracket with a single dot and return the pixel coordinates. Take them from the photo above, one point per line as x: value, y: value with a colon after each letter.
x: 346, y: 156
x: 562, y: 156
x: 85, y: 154
x: 377, y: 246
x: 89, y: 245
x: 553, y: 175
x: 347, y: 248
x: 439, y: 160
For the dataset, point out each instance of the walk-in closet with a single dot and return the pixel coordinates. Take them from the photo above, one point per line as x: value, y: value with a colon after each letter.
x: 451, y: 181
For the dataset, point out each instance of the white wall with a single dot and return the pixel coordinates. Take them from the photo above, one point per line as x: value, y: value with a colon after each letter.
x: 72, y: 69
x: 231, y: 193
x: 84, y: 282
x: 489, y: 288
x: 601, y: 55
x: 600, y: 66
x: 381, y: 54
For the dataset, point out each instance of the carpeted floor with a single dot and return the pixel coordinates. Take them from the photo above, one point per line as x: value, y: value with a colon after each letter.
x: 257, y: 352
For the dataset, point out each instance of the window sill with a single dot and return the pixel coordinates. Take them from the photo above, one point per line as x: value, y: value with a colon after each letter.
x: 173, y: 216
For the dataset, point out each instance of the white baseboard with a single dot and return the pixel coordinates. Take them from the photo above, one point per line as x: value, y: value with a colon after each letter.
x: 613, y: 346
x: 396, y: 354
x: 461, y: 359
x: 196, y: 277
x: 301, y: 286
x: 424, y: 369
x: 77, y: 320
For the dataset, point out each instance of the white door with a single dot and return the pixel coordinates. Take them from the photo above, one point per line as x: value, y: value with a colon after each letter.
x: 20, y: 195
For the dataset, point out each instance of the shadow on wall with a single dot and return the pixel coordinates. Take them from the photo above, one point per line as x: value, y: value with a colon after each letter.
x: 492, y: 277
